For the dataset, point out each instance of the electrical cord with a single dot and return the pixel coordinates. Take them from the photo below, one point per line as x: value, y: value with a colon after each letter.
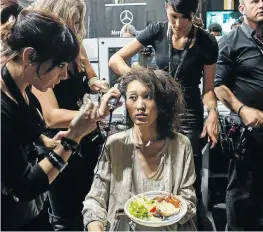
x: 104, y: 144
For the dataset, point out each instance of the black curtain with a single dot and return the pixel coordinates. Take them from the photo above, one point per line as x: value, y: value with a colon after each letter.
x: 95, y: 18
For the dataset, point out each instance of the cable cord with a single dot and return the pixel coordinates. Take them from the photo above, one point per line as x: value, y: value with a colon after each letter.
x: 104, y: 144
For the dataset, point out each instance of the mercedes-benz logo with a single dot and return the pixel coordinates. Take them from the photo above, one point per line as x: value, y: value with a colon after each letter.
x: 126, y: 17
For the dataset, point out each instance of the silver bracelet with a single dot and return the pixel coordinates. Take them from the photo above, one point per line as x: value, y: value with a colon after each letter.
x: 212, y: 108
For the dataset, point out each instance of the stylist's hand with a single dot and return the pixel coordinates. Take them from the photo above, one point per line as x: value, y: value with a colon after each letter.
x: 211, y: 128
x: 101, y: 85
x: 104, y: 108
x: 84, y: 123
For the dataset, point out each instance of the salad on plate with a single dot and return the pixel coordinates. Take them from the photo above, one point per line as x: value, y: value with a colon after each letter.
x: 155, y: 208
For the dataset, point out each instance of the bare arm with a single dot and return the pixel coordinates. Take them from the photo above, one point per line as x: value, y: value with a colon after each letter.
x: 96, y: 84
x: 225, y: 95
x: 117, y: 61
x: 56, y: 117
x: 53, y: 115
x: 210, y: 102
x: 250, y: 116
x: 209, y: 98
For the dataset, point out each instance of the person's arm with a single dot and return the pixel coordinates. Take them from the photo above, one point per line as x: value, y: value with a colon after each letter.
x: 186, y: 189
x: 210, y: 103
x: 26, y: 181
x: 95, y: 204
x: 96, y: 84
x: 250, y: 116
x: 147, y: 37
x: 224, y: 81
x: 54, y: 116
x: 117, y: 61
x: 209, y: 98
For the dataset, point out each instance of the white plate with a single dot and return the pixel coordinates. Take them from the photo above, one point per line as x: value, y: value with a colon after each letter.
x: 168, y: 221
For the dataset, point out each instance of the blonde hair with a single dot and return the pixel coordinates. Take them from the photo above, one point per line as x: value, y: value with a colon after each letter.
x: 65, y: 10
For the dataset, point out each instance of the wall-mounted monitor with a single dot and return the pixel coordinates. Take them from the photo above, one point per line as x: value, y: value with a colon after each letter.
x: 223, y: 17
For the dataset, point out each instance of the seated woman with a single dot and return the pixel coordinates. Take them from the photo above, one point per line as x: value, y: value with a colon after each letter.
x: 150, y: 156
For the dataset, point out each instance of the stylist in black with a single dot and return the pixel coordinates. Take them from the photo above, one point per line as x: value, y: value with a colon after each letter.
x: 187, y: 52
x: 37, y: 48
x: 60, y: 105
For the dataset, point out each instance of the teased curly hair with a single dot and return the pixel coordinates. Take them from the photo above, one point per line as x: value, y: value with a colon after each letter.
x: 167, y: 94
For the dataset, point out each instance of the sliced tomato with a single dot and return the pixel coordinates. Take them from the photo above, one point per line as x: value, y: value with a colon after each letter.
x: 153, y: 209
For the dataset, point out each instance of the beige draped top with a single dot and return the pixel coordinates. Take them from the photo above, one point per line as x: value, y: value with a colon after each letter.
x: 115, y: 177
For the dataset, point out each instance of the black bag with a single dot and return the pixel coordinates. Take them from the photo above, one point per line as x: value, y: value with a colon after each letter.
x: 234, y: 137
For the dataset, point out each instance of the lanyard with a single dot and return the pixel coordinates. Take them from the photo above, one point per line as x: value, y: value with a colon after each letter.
x: 184, y: 53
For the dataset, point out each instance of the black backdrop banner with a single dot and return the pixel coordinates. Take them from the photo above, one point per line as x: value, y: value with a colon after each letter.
x: 117, y: 15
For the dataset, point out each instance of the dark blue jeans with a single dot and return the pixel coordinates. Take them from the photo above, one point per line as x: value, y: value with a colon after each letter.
x: 244, y: 196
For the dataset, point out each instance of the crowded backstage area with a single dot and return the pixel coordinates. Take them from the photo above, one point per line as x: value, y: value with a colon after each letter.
x: 131, y: 115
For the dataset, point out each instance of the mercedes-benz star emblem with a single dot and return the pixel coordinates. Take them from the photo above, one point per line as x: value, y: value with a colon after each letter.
x: 126, y: 17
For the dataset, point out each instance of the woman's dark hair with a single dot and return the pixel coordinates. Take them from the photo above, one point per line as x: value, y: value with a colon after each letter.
x: 9, y: 8
x: 186, y: 7
x: 167, y: 94
x: 45, y: 33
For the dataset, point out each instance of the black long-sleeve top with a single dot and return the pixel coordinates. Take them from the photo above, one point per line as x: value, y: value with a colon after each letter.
x: 21, y: 176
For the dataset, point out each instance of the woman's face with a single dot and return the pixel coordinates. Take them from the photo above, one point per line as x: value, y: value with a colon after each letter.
x: 75, y: 23
x: 178, y: 21
x: 140, y: 104
x: 49, y: 79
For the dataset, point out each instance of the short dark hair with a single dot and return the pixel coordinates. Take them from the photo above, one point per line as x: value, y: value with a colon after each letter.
x: 186, y: 7
x: 47, y: 34
x: 215, y: 27
x: 166, y: 92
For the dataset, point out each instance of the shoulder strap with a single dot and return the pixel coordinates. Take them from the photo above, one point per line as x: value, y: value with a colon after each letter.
x: 183, y: 55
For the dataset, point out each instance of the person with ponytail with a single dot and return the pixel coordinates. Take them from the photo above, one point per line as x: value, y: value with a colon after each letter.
x: 188, y: 53
x: 9, y: 10
x: 37, y: 47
